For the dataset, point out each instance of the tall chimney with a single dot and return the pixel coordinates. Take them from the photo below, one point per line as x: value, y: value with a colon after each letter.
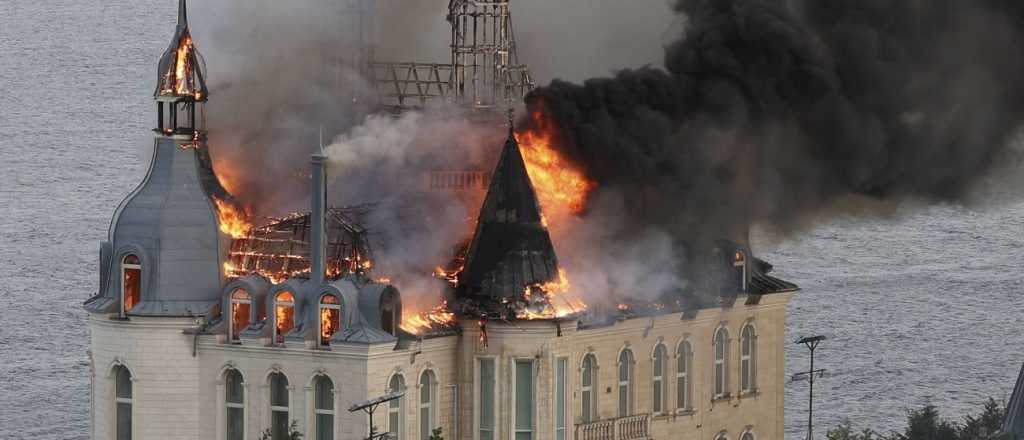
x: 316, y: 215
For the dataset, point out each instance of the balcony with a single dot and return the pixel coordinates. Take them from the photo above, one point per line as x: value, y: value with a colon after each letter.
x: 623, y: 428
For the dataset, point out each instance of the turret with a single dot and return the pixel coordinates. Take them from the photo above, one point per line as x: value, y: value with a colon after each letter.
x: 181, y: 85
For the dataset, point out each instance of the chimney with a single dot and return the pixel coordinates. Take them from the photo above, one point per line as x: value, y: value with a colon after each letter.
x: 316, y: 215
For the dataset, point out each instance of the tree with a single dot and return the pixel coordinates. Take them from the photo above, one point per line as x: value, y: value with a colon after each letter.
x: 436, y: 434
x: 293, y: 432
x: 985, y: 424
x: 845, y: 432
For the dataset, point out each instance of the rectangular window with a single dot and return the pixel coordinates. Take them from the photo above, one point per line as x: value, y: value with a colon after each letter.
x: 486, y: 422
x: 235, y: 426
x: 561, y: 367
x: 657, y: 395
x: 524, y: 400
x: 124, y: 421
x: 279, y: 425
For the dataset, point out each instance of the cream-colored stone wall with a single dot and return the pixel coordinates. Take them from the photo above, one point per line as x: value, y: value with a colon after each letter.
x: 165, y: 377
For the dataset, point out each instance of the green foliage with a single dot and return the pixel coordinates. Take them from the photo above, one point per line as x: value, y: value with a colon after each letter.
x: 926, y: 424
x: 436, y: 434
x: 293, y: 432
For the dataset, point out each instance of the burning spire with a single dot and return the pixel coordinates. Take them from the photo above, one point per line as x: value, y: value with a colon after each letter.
x: 182, y: 70
x: 511, y: 251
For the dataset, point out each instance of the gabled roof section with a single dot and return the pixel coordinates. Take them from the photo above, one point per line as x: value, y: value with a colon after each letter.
x: 511, y: 249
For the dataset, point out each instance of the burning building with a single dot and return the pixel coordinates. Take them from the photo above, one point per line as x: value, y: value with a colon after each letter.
x: 206, y: 327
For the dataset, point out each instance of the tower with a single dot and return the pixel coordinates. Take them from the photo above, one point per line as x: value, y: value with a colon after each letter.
x: 181, y: 85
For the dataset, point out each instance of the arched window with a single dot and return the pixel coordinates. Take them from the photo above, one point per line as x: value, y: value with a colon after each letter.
x: 684, y: 358
x: 241, y: 312
x: 721, y: 436
x: 284, y: 315
x: 395, y: 416
x: 324, y: 407
x: 588, y: 397
x: 625, y: 383
x: 748, y: 435
x: 658, y: 395
x: 721, y: 363
x: 748, y: 359
x: 428, y: 392
x: 234, y: 403
x: 131, y: 283
x: 278, y: 407
x: 123, y: 402
x: 330, y: 318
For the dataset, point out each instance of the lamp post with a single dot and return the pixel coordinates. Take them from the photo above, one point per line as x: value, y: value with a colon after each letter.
x: 811, y: 343
x: 369, y: 407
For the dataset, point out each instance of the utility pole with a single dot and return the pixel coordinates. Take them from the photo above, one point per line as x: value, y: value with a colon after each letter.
x: 811, y: 343
x: 369, y: 407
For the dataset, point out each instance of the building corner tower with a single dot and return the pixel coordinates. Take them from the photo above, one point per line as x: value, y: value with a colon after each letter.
x: 160, y: 269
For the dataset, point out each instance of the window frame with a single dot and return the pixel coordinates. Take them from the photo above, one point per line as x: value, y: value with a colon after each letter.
x: 478, y: 397
x: 235, y: 335
x: 514, y: 391
x: 277, y: 337
x: 684, y: 354
x: 721, y: 363
x: 277, y: 408
x: 125, y: 266
x: 117, y: 370
x: 589, y: 414
x: 561, y: 371
x: 748, y: 434
x: 748, y: 360
x: 321, y: 306
x: 229, y: 405
x: 317, y: 411
x: 630, y: 361
x: 430, y: 405
x: 658, y: 382
x: 399, y: 409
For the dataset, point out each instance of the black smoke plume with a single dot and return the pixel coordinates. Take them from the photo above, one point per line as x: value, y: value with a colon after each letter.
x: 771, y: 112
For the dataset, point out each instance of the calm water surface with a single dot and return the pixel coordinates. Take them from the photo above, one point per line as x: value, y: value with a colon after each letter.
x: 923, y: 309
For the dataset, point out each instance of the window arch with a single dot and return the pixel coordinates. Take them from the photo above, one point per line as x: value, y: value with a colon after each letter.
x: 721, y: 436
x: 284, y: 315
x: 748, y: 359
x: 428, y: 397
x: 131, y: 282
x: 684, y: 361
x: 330, y: 318
x: 659, y: 367
x: 323, y: 391
x: 279, y: 406
x: 234, y: 405
x: 241, y: 312
x: 625, y: 383
x: 721, y: 363
x: 588, y: 395
x: 747, y: 435
x: 123, y: 402
x: 396, y: 418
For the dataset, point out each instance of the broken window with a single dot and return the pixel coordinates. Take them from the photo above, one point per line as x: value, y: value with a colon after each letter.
x: 324, y: 400
x: 279, y: 407
x: 123, y: 402
x: 395, y: 416
x: 330, y: 318
x: 588, y: 398
x: 131, y: 283
x: 625, y: 383
x: 241, y: 312
x: 721, y: 364
x: 748, y: 352
x: 284, y: 315
x: 234, y: 403
x: 658, y: 393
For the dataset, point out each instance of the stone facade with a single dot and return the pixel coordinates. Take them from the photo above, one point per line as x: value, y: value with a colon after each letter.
x: 180, y: 396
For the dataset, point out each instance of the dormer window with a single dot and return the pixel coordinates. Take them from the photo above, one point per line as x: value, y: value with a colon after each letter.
x: 390, y: 313
x: 330, y: 318
x: 740, y: 262
x: 131, y: 283
x: 241, y: 311
x: 284, y: 315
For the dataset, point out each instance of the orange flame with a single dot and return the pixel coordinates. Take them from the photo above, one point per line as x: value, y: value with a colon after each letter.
x: 233, y: 220
x: 561, y: 186
x: 419, y: 322
x: 555, y: 297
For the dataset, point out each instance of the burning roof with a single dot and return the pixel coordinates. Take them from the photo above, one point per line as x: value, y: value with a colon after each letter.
x: 182, y: 71
x: 280, y: 250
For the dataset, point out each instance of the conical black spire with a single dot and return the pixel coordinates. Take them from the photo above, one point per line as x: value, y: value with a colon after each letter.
x: 511, y: 249
x: 182, y: 13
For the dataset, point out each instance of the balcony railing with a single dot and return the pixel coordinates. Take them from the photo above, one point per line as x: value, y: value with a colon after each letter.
x: 623, y: 428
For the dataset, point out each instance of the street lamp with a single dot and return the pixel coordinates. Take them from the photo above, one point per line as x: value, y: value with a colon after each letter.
x: 811, y: 343
x: 369, y: 406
